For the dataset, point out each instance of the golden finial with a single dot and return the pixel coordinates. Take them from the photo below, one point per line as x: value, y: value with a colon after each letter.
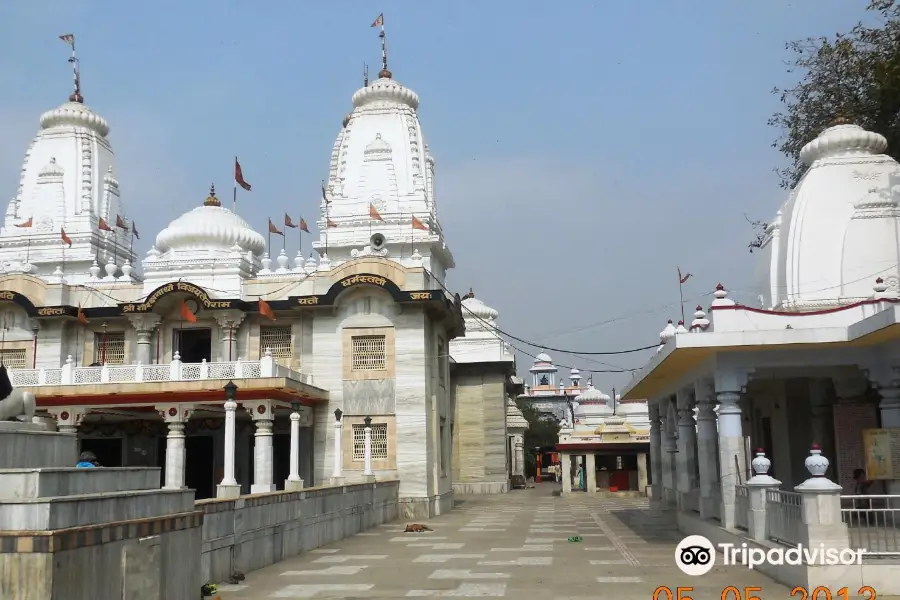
x: 212, y: 200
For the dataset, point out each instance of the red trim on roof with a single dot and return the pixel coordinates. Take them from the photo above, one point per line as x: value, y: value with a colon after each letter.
x: 786, y: 313
x: 113, y: 399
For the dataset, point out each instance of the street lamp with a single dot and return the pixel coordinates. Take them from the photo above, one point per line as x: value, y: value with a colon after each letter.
x: 230, y: 391
x: 368, y: 421
x: 338, y: 413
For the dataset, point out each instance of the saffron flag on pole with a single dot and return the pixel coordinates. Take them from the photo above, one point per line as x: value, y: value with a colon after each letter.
x: 330, y: 223
x: 102, y: 226
x: 266, y: 310
x: 288, y: 222
x: 65, y: 238
x: 682, y: 279
x: 379, y: 22
x: 120, y: 223
x: 81, y: 317
x: 27, y: 223
x: 134, y: 231
x: 303, y: 225
x: 417, y: 224
x: 273, y: 229
x: 239, y: 175
x: 373, y: 213
x: 186, y: 313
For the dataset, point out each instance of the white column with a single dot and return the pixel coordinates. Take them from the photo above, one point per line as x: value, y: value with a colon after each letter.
x: 367, y: 450
x: 294, y: 483
x: 337, y: 476
x: 655, y: 453
x: 707, y: 450
x: 175, y: 416
x: 732, y: 459
x: 566, y: 462
x: 519, y: 441
x: 143, y: 328
x: 261, y: 412
x: 229, y: 487
x: 642, y: 473
x: 670, y: 448
x: 590, y: 473
x: 686, y: 459
x: 228, y: 322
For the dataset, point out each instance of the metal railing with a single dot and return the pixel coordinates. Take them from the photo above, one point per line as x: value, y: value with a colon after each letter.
x: 873, y: 523
x: 784, y: 518
x: 175, y: 370
x: 741, y: 507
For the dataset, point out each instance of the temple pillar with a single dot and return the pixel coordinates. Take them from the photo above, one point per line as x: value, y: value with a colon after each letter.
x: 519, y: 445
x: 228, y: 323
x: 176, y: 417
x: 263, y: 417
x: 732, y: 458
x: 686, y: 459
x: 566, y: 462
x: 707, y: 450
x: 590, y: 473
x: 642, y: 472
x: 143, y: 329
x: 229, y: 488
x: 656, y: 463
x: 293, y: 482
x: 68, y: 418
x: 337, y: 475
x: 669, y: 448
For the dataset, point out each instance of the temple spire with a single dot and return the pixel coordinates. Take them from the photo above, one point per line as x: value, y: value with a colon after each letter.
x: 76, y: 96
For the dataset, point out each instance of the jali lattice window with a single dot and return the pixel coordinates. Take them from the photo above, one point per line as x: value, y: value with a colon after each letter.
x: 109, y: 348
x: 368, y: 353
x: 13, y: 358
x: 277, y: 339
x: 379, y: 442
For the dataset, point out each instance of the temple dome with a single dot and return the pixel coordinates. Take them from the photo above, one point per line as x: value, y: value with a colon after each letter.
x: 542, y: 357
x: 385, y: 91
x: 475, y: 309
x: 210, y: 227
x: 838, y: 229
x: 592, y: 394
x: 75, y: 114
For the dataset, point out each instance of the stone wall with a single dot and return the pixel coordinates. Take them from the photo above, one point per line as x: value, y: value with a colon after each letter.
x: 480, y: 440
x: 252, y: 532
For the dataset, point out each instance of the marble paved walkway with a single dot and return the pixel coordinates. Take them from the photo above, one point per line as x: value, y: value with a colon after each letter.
x: 515, y: 545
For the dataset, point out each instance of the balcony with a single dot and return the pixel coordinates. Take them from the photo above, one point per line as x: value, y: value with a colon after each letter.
x: 134, y: 383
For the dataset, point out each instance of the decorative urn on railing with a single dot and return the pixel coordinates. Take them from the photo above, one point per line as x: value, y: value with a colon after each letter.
x: 761, y: 464
x: 816, y: 463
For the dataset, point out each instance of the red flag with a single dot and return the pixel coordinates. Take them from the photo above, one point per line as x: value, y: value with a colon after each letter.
x: 288, y: 222
x: 120, y: 223
x: 27, y: 223
x: 330, y: 223
x: 266, y: 310
x: 273, y: 229
x: 134, y: 231
x: 186, y: 313
x: 303, y: 225
x: 66, y: 239
x: 681, y: 279
x: 379, y: 22
x: 373, y: 213
x: 103, y: 226
x: 81, y: 317
x: 239, y: 175
x: 417, y: 224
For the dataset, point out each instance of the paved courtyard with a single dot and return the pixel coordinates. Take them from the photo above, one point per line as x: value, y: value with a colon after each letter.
x: 515, y: 545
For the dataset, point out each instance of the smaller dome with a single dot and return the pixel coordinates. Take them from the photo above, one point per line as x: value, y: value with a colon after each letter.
x: 51, y: 169
x: 592, y: 394
x: 575, y: 371
x: 476, y: 309
x: 542, y: 357
x: 210, y: 227
x: 387, y: 91
x: 843, y: 140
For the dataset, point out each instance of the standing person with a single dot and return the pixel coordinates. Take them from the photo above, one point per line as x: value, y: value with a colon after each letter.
x: 557, y: 471
x: 579, y: 474
x: 87, y: 460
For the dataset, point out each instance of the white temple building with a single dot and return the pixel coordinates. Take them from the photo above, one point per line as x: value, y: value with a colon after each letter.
x: 341, y: 360
x: 813, y: 362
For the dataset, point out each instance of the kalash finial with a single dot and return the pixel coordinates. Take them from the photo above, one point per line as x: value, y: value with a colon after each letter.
x: 75, y: 96
x: 212, y: 200
x: 471, y: 294
x: 384, y: 73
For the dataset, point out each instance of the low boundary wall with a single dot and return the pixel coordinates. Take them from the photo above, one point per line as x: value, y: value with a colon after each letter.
x: 251, y: 532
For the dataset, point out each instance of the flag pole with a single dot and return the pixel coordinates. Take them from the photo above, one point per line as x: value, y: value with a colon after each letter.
x: 234, y: 200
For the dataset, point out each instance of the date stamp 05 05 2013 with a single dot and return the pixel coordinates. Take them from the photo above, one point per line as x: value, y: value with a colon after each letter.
x: 755, y: 593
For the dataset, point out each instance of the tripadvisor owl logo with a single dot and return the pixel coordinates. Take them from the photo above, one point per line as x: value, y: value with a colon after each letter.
x: 695, y: 555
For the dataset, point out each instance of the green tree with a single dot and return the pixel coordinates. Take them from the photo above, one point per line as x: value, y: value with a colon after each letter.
x: 542, y: 431
x: 853, y: 76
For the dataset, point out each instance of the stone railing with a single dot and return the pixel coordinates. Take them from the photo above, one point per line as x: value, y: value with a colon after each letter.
x: 741, y: 507
x: 248, y: 533
x: 176, y: 370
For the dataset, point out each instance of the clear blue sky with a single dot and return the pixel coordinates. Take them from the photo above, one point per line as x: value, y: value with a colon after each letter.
x: 584, y: 149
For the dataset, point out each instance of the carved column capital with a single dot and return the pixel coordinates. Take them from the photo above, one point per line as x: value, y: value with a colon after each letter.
x: 145, y: 322
x: 175, y: 413
x: 229, y: 318
x: 260, y: 410
x: 68, y: 418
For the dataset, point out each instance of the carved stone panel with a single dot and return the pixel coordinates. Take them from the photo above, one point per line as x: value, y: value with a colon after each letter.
x: 369, y: 397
